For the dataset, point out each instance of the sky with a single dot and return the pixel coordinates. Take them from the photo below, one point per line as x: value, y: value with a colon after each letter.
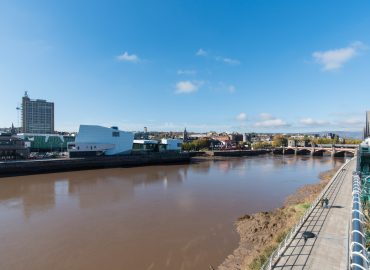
x: 246, y: 66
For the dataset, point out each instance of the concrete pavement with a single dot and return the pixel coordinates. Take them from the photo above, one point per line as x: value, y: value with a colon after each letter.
x: 329, y: 249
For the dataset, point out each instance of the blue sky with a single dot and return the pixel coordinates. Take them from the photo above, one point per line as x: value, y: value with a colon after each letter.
x: 267, y: 66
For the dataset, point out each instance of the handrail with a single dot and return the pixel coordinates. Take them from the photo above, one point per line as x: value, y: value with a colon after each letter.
x: 285, y: 242
x: 358, y: 253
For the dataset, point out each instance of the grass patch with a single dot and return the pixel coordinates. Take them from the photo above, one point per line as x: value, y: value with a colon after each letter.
x: 297, y: 211
x: 257, y: 263
x: 265, y: 255
x: 301, y: 207
x: 281, y: 236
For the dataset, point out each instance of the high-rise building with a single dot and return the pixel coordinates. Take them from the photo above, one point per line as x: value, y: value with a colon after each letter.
x: 37, y: 116
x: 367, y: 125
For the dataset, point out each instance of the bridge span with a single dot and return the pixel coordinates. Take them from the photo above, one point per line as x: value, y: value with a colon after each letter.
x: 334, y: 151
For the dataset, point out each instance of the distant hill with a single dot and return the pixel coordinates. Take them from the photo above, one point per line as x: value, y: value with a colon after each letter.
x: 344, y: 134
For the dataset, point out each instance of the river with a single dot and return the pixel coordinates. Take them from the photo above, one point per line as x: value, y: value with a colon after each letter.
x: 150, y: 218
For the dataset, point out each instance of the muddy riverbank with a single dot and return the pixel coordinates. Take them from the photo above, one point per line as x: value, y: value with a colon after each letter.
x: 260, y: 233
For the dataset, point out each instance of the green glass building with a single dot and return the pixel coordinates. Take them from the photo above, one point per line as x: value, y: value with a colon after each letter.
x: 46, y: 142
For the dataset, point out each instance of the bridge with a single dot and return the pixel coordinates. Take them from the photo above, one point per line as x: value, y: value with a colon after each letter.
x: 335, y: 150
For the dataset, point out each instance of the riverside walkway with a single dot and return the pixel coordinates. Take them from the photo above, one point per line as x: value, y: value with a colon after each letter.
x: 329, y: 249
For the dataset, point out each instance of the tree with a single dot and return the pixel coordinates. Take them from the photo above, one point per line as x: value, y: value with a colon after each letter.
x: 279, y: 141
x: 352, y: 141
x: 196, y: 145
x: 261, y: 145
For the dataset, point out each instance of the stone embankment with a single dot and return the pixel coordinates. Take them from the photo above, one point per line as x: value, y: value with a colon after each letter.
x: 229, y: 153
x: 70, y: 164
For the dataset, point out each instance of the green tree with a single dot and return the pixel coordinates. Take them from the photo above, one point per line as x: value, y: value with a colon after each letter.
x: 196, y: 145
x: 352, y: 141
x: 261, y: 145
x: 279, y: 141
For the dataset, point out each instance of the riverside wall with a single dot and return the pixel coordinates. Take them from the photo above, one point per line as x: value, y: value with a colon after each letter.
x: 71, y: 164
x: 236, y: 153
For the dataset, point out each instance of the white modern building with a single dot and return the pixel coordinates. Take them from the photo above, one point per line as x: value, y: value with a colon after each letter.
x: 146, y: 146
x: 365, y: 146
x: 157, y: 146
x: 97, y: 140
x: 172, y: 144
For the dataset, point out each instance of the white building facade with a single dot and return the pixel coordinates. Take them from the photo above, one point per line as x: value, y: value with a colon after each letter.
x: 172, y: 144
x: 94, y: 140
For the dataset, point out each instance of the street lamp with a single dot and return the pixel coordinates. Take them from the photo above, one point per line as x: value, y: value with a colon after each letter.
x: 18, y: 109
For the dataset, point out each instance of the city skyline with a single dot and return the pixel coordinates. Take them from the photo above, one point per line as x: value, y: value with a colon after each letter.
x: 294, y: 67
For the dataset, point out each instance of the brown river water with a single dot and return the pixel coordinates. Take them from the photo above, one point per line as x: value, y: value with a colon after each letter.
x: 150, y: 218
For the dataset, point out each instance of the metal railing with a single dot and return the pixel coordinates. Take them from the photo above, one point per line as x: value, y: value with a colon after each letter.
x: 358, y: 255
x: 292, y: 233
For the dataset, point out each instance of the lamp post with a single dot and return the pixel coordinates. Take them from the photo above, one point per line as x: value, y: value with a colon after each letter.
x: 18, y: 109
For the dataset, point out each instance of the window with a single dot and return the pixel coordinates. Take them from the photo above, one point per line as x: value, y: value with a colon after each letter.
x: 115, y: 134
x: 71, y: 146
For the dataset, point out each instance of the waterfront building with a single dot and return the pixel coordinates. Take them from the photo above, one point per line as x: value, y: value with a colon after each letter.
x: 37, y: 116
x: 363, y: 164
x: 165, y: 144
x: 197, y: 136
x: 94, y: 140
x: 145, y: 146
x: 172, y: 144
x: 367, y: 125
x: 12, y: 147
x: 46, y: 142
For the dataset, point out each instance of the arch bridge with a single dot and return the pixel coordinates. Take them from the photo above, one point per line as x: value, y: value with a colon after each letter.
x: 319, y: 150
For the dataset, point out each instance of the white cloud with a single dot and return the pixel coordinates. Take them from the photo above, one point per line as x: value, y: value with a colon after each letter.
x: 241, y: 117
x: 267, y: 120
x: 125, y: 57
x: 201, y: 52
x: 312, y: 122
x: 186, y: 87
x: 186, y: 72
x: 227, y: 60
x: 336, y: 58
x: 223, y: 87
x: 266, y: 116
x: 272, y: 123
x: 353, y: 122
x: 222, y: 59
